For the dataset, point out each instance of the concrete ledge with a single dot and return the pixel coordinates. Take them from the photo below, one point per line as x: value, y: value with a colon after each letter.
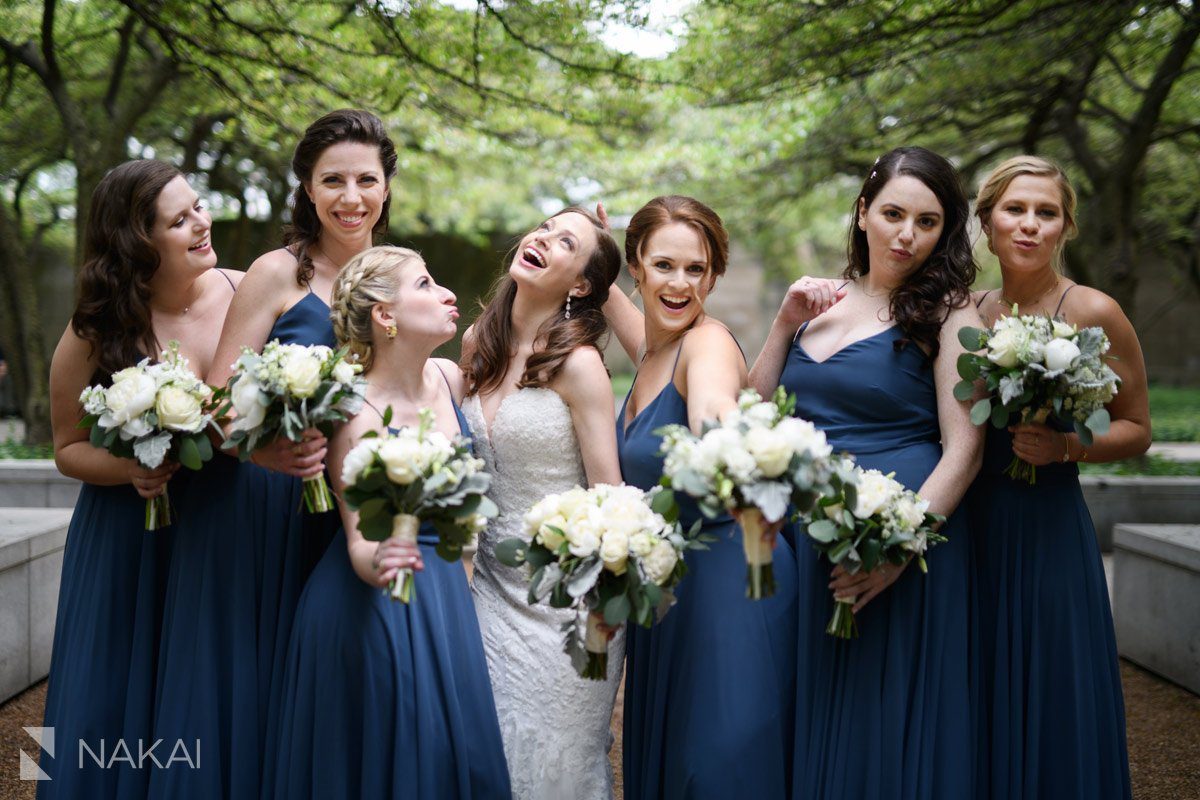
x: 31, y: 554
x: 1156, y: 599
x: 1156, y: 500
x: 35, y: 483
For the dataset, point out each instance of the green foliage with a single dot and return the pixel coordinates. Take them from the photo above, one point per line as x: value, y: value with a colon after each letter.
x: 1175, y: 414
x: 1150, y: 465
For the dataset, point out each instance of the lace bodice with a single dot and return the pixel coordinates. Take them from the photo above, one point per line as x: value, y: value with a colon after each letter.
x: 556, y: 737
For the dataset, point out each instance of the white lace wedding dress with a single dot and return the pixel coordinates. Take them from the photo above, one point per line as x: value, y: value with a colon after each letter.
x: 555, y: 724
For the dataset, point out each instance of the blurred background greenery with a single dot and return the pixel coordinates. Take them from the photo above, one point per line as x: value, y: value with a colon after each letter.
x: 505, y: 110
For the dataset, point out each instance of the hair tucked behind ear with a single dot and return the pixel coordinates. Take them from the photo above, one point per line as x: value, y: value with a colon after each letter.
x: 943, y: 281
x: 485, y: 359
x: 372, y: 276
x: 119, y: 258
x: 997, y: 183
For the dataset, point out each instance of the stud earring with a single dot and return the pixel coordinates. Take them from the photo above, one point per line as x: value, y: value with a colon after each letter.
x: 392, y: 330
x: 568, y: 312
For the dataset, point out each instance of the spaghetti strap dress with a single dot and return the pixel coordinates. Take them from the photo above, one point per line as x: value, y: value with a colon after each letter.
x: 884, y: 716
x: 709, y: 689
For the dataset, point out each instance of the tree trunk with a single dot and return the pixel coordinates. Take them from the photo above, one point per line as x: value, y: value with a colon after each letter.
x: 1106, y: 254
x: 21, y: 332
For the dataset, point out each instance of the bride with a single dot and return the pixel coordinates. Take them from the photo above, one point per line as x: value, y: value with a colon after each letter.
x: 541, y: 410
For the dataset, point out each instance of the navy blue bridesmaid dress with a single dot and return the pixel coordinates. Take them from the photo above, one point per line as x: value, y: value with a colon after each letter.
x: 1048, y: 689
x: 885, y: 715
x: 244, y: 550
x: 709, y: 689
x: 386, y: 699
x: 100, y: 700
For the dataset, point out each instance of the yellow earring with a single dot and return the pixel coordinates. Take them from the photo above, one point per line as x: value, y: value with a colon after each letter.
x: 392, y: 330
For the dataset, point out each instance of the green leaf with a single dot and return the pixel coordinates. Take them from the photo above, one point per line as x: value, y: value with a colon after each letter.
x: 663, y: 502
x: 375, y: 528
x: 617, y: 610
x: 981, y: 411
x: 970, y: 338
x: 823, y: 530
x: 999, y: 416
x: 964, y: 390
x: 1099, y: 422
x: 968, y: 367
x: 189, y: 454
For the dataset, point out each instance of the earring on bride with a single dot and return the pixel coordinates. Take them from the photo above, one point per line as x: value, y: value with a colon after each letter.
x: 568, y: 312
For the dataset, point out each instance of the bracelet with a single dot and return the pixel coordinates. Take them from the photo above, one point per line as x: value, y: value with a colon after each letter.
x: 1066, y: 448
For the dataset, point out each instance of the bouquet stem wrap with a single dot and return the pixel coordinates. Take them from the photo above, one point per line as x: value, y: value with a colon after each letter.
x: 842, y: 623
x: 158, y: 511
x: 317, y: 497
x: 595, y: 641
x: 760, y: 555
x: 404, y: 528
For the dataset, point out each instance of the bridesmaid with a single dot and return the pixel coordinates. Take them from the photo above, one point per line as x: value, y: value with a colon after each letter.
x: 1052, y: 719
x: 148, y: 276
x: 708, y: 691
x: 381, y: 698
x: 871, y: 360
x: 244, y: 555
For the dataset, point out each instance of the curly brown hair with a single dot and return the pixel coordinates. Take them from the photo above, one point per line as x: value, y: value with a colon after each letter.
x: 119, y: 259
x: 922, y: 303
x: 343, y: 125
x: 485, y: 358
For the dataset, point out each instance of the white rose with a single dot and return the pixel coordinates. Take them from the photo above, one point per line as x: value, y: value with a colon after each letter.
x: 358, y: 459
x: 549, y: 533
x: 402, y: 457
x: 641, y: 544
x: 874, y: 491
x: 178, y: 410
x: 344, y: 371
x: 1060, y: 353
x: 1063, y: 330
x: 803, y: 437
x: 247, y: 401
x: 1003, y: 348
x: 771, y: 451
x: 302, y: 373
x: 614, y: 551
x: 660, y: 562
x: 131, y: 395
x: 582, y: 540
x: 910, y: 512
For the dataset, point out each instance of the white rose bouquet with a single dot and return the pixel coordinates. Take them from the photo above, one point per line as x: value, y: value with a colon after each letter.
x: 870, y: 520
x: 759, y: 460
x: 400, y: 480
x: 1034, y: 368
x: 612, y: 551
x: 283, y: 391
x: 152, y: 412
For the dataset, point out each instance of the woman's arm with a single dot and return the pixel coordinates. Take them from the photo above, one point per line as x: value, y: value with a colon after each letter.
x: 804, y: 300
x: 584, y: 386
x: 626, y: 321
x: 1129, y: 433
x: 375, y: 563
x: 71, y: 370
x: 714, y: 373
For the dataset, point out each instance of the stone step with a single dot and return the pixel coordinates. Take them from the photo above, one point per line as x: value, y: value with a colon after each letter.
x: 1156, y: 599
x: 31, y: 556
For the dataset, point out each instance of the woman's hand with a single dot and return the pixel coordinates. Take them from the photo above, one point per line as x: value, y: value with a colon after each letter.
x: 304, y: 459
x: 151, y: 482
x: 808, y: 298
x: 1038, y: 444
x: 393, y: 555
x: 864, y: 586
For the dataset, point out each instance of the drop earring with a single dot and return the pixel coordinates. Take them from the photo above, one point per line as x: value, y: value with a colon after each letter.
x: 568, y: 312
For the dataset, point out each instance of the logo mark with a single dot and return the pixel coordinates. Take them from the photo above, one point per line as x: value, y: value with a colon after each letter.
x: 30, y: 771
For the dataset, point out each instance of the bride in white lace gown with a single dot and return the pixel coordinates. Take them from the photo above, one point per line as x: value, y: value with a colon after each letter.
x: 539, y: 390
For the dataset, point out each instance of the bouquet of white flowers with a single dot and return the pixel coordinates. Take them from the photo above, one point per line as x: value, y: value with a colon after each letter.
x: 613, y: 551
x: 397, y: 481
x: 870, y: 520
x: 1035, y: 367
x: 152, y: 412
x: 759, y: 460
x: 283, y: 391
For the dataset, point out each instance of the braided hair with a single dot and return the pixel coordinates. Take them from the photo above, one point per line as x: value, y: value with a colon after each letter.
x: 372, y: 276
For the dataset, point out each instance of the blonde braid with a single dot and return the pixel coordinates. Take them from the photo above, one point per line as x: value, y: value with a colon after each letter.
x: 371, y: 277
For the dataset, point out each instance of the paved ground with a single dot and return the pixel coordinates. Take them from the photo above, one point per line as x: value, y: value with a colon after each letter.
x: 1176, y: 451
x: 1163, y: 728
